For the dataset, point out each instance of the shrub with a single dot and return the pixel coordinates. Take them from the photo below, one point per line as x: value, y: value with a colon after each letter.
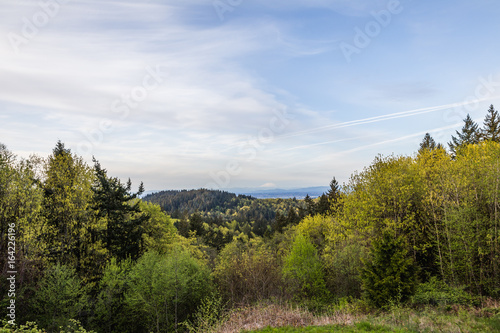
x: 209, y: 315
x: 437, y: 292
x: 59, y: 298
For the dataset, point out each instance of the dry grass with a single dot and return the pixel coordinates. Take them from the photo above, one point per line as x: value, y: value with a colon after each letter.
x: 261, y: 316
x: 455, y: 319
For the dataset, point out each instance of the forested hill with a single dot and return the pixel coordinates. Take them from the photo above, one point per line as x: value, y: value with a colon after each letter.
x: 217, y: 207
x: 179, y: 203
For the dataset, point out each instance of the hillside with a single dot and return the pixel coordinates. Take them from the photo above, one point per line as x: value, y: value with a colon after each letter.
x: 216, y: 208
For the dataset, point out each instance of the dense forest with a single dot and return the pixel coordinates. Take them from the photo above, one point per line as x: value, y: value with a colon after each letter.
x: 218, y: 217
x: 90, y: 255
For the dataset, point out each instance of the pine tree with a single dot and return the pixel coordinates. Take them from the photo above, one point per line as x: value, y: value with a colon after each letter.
x: 390, y: 274
x: 468, y: 135
x: 310, y: 205
x: 196, y: 224
x: 114, y: 205
x: 292, y: 218
x: 323, y: 206
x: 280, y: 222
x: 333, y: 195
x: 491, y: 126
x: 60, y: 150
x: 427, y: 143
x: 334, y: 191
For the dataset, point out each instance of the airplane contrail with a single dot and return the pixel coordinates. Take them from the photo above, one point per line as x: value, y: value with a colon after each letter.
x: 363, y: 121
x: 348, y: 151
x: 380, y: 118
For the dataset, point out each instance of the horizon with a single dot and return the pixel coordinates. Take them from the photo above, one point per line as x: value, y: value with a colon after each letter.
x: 235, y: 94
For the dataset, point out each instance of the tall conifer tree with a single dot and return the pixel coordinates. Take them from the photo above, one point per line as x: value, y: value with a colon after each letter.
x: 491, y: 126
x: 468, y: 135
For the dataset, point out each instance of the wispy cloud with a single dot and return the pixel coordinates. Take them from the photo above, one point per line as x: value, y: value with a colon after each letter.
x: 222, y: 82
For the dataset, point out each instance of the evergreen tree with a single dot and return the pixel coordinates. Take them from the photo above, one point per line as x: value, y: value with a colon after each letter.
x: 334, y: 195
x: 323, y: 206
x: 280, y: 222
x: 292, y: 218
x: 60, y: 296
x: 182, y: 226
x: 390, y: 274
x: 491, y: 126
x: 310, y: 206
x: 427, y: 143
x: 468, y: 135
x: 114, y: 205
x: 196, y: 224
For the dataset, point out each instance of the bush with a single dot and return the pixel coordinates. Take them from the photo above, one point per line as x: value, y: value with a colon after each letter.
x: 59, y: 298
x: 436, y: 292
x: 209, y: 315
x: 73, y: 326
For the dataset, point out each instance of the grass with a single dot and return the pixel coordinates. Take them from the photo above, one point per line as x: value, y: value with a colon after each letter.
x: 359, y: 327
x: 285, y: 318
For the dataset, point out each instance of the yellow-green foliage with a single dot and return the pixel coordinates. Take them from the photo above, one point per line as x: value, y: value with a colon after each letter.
x: 248, y: 271
x: 303, y: 270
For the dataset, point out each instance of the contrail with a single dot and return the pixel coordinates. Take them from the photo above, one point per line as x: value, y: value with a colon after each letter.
x: 380, y: 118
x: 402, y: 138
x: 363, y: 121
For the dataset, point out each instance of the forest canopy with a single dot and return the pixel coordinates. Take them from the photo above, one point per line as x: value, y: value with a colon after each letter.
x: 417, y: 230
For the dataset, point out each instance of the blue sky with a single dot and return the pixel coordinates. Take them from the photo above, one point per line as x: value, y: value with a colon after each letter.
x: 240, y: 93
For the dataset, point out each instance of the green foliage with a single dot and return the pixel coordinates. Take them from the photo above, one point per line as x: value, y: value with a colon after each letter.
x: 66, y: 204
x: 389, y: 275
x: 60, y: 297
x: 164, y: 289
x: 110, y: 311
x: 216, y: 208
x: 159, y: 232
x: 303, y: 270
x: 247, y: 272
x: 343, y: 267
x: 29, y: 327
x: 77, y: 226
x: 210, y: 313
x: 359, y: 327
x: 436, y: 292
x: 73, y: 326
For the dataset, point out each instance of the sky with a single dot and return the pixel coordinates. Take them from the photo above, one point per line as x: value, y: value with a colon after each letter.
x: 240, y: 93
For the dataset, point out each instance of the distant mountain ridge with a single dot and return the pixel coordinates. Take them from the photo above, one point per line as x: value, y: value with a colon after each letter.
x: 275, y: 193
x: 270, y: 193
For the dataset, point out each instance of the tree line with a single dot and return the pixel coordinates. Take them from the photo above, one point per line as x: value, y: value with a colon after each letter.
x: 418, y: 230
